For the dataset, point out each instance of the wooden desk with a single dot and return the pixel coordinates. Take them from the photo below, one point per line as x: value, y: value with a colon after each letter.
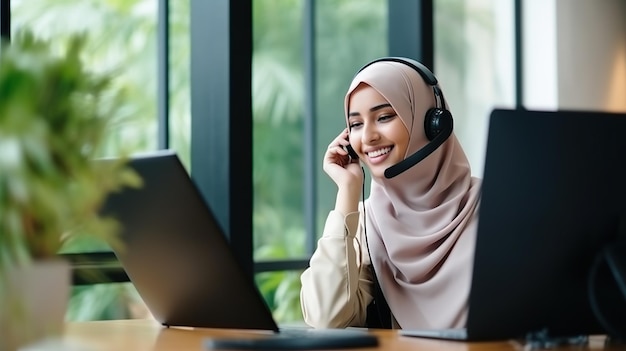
x: 148, y: 335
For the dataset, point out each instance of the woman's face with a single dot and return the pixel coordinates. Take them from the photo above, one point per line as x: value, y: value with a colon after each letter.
x: 377, y: 133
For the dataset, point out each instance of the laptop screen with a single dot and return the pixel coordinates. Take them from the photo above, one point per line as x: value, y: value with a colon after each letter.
x: 176, y: 254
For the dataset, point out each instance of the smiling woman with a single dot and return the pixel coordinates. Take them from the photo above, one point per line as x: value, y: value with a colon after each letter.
x: 411, y: 242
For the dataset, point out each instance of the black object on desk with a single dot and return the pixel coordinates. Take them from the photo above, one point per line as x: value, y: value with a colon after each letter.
x: 292, y: 342
x: 298, y: 340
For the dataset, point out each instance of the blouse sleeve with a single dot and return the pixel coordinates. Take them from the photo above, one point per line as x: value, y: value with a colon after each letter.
x: 337, y: 285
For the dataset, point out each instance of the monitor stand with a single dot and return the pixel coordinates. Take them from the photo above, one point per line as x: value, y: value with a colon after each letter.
x: 613, y: 260
x: 614, y: 341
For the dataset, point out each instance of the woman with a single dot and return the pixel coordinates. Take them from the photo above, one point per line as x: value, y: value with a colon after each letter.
x: 414, y: 235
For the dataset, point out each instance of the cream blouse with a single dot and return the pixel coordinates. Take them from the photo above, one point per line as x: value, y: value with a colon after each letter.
x: 338, y: 285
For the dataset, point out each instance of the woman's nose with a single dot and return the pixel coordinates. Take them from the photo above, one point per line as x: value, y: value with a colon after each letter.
x: 370, y: 133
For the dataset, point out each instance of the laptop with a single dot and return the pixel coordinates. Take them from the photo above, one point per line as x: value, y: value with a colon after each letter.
x: 178, y: 258
x: 552, y: 224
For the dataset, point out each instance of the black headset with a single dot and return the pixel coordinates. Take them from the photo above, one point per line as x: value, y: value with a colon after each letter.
x: 438, y: 122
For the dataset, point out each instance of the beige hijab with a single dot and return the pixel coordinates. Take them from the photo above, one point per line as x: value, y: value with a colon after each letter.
x: 421, y: 225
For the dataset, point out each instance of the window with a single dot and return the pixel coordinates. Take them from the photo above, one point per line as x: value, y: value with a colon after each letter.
x: 475, y: 65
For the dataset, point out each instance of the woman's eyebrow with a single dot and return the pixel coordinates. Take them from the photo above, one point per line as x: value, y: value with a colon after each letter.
x: 375, y: 108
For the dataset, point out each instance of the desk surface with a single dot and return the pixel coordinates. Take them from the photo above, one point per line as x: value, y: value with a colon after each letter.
x: 148, y: 335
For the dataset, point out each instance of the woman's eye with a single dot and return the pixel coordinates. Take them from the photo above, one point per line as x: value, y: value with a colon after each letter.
x: 384, y: 118
x: 355, y: 124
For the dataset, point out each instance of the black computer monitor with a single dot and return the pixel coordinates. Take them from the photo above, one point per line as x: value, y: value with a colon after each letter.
x: 552, y: 226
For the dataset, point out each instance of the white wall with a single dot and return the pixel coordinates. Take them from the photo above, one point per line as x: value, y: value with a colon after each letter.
x: 540, y: 54
x: 575, y: 54
x: 592, y: 54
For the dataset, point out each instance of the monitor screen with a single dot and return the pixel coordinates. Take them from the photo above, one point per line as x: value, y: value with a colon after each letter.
x: 551, y: 246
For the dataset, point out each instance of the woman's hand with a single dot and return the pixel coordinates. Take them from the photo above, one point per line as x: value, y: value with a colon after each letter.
x: 343, y: 170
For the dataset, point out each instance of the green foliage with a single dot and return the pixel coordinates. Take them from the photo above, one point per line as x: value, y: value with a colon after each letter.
x: 104, y: 302
x: 54, y: 118
x: 281, y: 291
x: 122, y: 38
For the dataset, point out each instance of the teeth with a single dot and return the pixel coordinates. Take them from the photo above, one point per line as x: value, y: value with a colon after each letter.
x: 379, y: 152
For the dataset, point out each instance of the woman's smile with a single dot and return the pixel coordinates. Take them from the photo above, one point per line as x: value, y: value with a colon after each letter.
x: 379, y: 155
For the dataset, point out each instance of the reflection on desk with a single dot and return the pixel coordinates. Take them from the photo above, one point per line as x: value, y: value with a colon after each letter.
x: 148, y: 335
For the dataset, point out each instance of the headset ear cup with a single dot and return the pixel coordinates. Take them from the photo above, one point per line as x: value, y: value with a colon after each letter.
x: 436, y: 121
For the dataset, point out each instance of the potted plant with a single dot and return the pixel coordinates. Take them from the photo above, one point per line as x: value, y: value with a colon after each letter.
x: 54, y: 118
